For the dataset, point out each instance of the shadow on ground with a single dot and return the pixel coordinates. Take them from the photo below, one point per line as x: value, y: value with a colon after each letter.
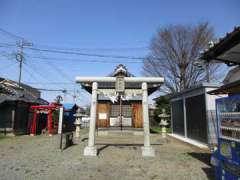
x: 120, y: 146
x: 209, y: 173
x: 201, y: 156
x: 84, y: 139
x: 205, y: 158
x: 67, y: 146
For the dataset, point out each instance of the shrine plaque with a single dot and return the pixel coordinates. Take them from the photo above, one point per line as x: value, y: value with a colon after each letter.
x: 102, y: 116
x: 120, y: 84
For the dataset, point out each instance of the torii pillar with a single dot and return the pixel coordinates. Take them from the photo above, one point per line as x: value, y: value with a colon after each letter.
x: 147, y: 149
x: 91, y: 149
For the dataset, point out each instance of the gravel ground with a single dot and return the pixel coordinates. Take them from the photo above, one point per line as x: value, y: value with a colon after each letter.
x: 25, y: 157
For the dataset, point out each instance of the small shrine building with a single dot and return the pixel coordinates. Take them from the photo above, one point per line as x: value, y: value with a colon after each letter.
x: 108, y: 101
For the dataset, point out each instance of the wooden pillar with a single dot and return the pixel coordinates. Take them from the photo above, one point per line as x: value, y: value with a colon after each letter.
x: 13, y: 119
x: 33, y: 127
x: 50, y: 122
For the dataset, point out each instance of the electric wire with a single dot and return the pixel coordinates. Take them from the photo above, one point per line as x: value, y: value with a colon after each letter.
x: 10, y: 34
x: 89, y: 54
x: 8, y: 45
x: 84, y: 60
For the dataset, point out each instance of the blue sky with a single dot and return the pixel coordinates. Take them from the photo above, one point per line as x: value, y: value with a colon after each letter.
x: 103, y: 27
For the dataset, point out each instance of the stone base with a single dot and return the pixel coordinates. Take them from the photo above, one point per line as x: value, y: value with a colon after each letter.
x: 77, y: 134
x: 138, y: 133
x: 32, y: 134
x: 77, y: 131
x: 102, y: 133
x: 148, y: 151
x: 90, y: 151
x: 10, y: 134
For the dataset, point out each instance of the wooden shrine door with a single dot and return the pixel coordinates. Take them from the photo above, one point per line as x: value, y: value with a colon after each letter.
x: 103, y: 110
x: 137, y: 115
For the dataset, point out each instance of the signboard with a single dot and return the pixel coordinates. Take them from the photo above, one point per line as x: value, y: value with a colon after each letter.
x: 102, y: 116
x: 115, y: 121
x: 120, y: 84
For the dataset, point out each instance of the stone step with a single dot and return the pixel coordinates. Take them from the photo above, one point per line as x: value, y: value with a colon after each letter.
x: 119, y: 132
x: 119, y: 129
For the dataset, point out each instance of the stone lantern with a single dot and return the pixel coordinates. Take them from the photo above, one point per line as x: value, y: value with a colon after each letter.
x: 79, y: 114
x: 163, y: 123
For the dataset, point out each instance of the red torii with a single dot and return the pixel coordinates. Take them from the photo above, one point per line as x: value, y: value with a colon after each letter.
x: 37, y: 109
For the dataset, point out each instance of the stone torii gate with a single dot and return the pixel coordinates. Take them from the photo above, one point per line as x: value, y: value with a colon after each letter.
x: 90, y: 149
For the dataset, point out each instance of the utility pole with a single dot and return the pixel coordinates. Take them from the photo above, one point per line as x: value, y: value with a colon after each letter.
x: 20, y: 57
x: 64, y: 95
x: 204, y: 66
x: 74, y: 96
x: 207, y: 72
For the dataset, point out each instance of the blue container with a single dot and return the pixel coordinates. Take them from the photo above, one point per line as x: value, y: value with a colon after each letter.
x: 69, y: 119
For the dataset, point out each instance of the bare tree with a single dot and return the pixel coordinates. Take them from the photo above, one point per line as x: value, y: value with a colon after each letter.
x: 174, y: 51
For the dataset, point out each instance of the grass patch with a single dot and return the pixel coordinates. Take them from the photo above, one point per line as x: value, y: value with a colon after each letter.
x: 2, y: 136
x: 158, y: 130
x: 155, y: 130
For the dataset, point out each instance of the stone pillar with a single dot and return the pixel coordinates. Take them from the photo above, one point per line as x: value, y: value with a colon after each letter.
x: 60, y: 120
x: 91, y: 150
x: 147, y: 150
x: 78, y: 127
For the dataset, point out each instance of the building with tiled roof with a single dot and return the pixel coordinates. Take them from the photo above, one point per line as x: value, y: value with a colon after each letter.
x: 15, y: 102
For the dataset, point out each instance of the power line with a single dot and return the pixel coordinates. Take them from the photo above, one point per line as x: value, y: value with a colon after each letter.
x: 7, y: 55
x: 58, y: 70
x: 74, y: 51
x: 11, y: 34
x: 47, y: 83
x: 7, y: 45
x: 55, y: 90
x: 64, y: 90
x: 31, y: 75
x: 5, y: 71
x: 22, y: 43
x: 80, y: 49
x: 56, y: 84
x: 35, y: 71
x: 85, y: 60
x: 89, y: 54
x: 8, y: 66
x: 94, y: 49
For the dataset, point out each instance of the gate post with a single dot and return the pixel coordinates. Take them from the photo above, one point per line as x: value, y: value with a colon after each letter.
x: 91, y: 150
x: 49, y: 123
x: 33, y: 127
x: 147, y: 149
